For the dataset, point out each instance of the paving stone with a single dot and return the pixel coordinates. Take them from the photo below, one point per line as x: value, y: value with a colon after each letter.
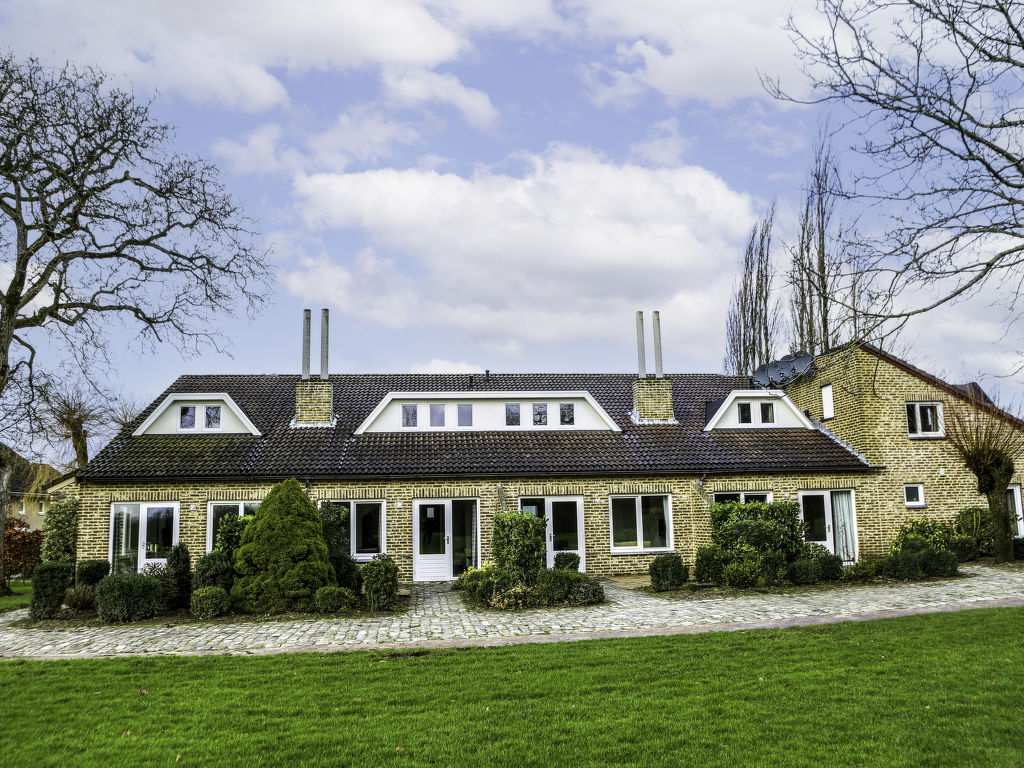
x: 437, y: 616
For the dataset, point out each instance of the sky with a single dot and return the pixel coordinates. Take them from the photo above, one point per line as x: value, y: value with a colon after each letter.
x: 469, y: 184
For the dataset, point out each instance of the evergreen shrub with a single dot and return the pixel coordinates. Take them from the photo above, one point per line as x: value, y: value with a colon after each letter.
x: 60, y: 531
x: 50, y: 582
x: 710, y: 564
x: 740, y: 574
x: 380, y: 583
x: 668, y: 572
x: 567, y: 561
x: 179, y: 572
x: 282, y: 560
x: 214, y: 570
x: 938, y: 562
x: 863, y: 570
x: 518, y: 545
x: 91, y: 571
x: 331, y: 599
x: 209, y: 602
x: 964, y: 547
x: 804, y: 570
x: 124, y: 597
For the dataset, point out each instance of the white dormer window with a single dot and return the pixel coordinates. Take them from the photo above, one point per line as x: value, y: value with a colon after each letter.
x: 767, y: 413
x: 743, y: 413
x: 540, y: 414
x: 465, y: 414
x: 437, y: 415
x: 187, y: 417
x: 566, y: 414
x: 213, y: 417
x: 197, y: 412
x: 511, y: 414
x: 409, y: 415
x: 199, y: 418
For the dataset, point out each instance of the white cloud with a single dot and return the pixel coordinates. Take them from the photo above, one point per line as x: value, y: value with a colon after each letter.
x: 437, y: 365
x: 664, y: 145
x: 419, y: 86
x: 258, y: 152
x: 561, y: 253
x: 363, y: 133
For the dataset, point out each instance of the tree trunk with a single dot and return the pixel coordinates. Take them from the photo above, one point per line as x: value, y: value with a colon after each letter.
x: 6, y: 473
x: 1002, y: 519
x: 79, y: 442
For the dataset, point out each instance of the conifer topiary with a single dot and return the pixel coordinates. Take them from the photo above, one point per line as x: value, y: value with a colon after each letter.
x: 282, y: 561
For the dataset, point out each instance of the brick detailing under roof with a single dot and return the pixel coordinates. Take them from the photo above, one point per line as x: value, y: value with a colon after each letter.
x: 335, y: 452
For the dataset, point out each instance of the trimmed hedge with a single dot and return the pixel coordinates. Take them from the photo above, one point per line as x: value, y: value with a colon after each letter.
x: 380, y: 583
x: 518, y: 545
x: 740, y: 574
x: 902, y: 566
x: 124, y: 597
x: 497, y: 588
x: 934, y: 533
x: 60, y: 531
x: 331, y: 599
x: 774, y: 527
x: 209, y: 602
x: 964, y: 547
x: 710, y: 563
x: 567, y: 561
x: 213, y: 570
x: 668, y: 572
x: 90, y: 572
x: 938, y: 562
x: 50, y: 582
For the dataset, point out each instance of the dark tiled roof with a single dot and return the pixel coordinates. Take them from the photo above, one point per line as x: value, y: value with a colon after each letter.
x: 284, y: 451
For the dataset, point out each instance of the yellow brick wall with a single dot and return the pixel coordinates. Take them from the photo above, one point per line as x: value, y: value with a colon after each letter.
x: 314, y: 401
x: 652, y: 399
x: 690, y: 504
x: 870, y: 414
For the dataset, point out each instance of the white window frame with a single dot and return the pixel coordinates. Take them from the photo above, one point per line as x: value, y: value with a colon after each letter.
x: 571, y: 423
x: 143, y: 506
x: 547, y: 415
x: 921, y: 434
x: 415, y: 415
x: 458, y: 415
x: 200, y: 422
x: 829, y: 518
x: 209, y: 516
x: 920, y: 503
x: 743, y: 495
x: 760, y: 411
x: 520, y: 414
x: 639, y: 525
x: 828, y: 402
x: 1015, y: 489
x: 739, y: 412
x: 365, y: 557
x: 430, y: 416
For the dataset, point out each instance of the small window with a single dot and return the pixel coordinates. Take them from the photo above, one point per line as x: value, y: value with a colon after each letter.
x: 828, y: 406
x: 366, y: 528
x: 465, y: 414
x: 767, y: 413
x: 187, y: 417
x: 409, y: 414
x: 566, y: 414
x: 924, y: 420
x: 640, y: 522
x: 728, y: 498
x: 213, y: 417
x: 913, y: 495
x: 744, y: 413
x: 437, y: 415
x: 540, y: 414
x: 743, y: 497
x: 511, y: 414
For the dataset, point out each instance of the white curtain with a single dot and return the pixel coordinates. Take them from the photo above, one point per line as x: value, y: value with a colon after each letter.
x: 843, y: 525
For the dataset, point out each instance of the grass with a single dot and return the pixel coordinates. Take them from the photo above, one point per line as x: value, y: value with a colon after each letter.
x: 929, y: 690
x: 21, y: 597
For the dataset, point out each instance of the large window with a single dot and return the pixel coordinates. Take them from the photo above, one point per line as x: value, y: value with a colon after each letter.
x: 925, y: 420
x: 540, y: 414
x: 640, y: 523
x: 218, y: 511
x: 141, y: 533
x: 566, y: 414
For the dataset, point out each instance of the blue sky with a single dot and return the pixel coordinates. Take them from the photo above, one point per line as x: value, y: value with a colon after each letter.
x: 471, y: 184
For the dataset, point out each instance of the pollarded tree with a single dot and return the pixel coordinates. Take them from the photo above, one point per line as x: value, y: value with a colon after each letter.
x: 103, y: 224
x: 282, y: 561
x: 990, y: 442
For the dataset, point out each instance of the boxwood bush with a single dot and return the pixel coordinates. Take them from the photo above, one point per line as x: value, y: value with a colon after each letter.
x: 124, y: 597
x: 209, y: 602
x: 933, y: 533
x: 863, y: 570
x: 567, y: 561
x: 710, y: 564
x: 938, y: 562
x: 903, y: 566
x: 179, y: 577
x: 380, y: 583
x: 668, y: 572
x: 332, y: 599
x: 50, y: 582
x: 740, y: 574
x: 518, y: 545
x: 964, y: 547
x: 804, y: 570
x: 91, y: 571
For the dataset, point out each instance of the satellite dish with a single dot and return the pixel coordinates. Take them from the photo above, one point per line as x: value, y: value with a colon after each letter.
x: 761, y: 377
x: 774, y: 373
x: 803, y: 363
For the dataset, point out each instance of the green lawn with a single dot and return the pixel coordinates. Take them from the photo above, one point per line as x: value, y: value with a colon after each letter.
x: 933, y: 690
x: 20, y: 599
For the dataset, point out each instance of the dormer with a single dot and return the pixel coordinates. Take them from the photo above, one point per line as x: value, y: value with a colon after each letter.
x: 755, y: 409
x: 197, y: 413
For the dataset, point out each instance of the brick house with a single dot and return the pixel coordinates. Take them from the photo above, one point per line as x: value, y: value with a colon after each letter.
x: 623, y: 467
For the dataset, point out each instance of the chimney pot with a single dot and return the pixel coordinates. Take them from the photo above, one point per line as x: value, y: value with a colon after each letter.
x: 324, y: 323
x: 305, y: 343
x: 658, y: 371
x: 641, y: 358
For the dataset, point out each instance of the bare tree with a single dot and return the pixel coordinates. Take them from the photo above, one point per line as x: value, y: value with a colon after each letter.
x: 752, y: 325
x: 74, y: 414
x: 102, y: 223
x: 989, y: 441
x: 933, y: 88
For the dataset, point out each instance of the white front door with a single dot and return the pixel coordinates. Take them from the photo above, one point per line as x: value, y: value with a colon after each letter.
x: 432, y: 541
x: 564, y: 525
x: 816, y: 510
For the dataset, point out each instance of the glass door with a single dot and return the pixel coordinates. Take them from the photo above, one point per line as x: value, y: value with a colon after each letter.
x: 817, y: 513
x: 564, y: 525
x: 432, y: 553
x: 141, y: 534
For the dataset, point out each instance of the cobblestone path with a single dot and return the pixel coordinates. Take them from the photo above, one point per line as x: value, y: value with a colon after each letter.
x: 437, y: 617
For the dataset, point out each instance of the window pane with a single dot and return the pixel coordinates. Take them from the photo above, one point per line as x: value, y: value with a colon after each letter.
x: 409, y: 415
x: 126, y: 538
x: 744, y: 412
x: 814, y: 516
x: 565, y: 535
x: 929, y: 419
x: 367, y: 538
x: 431, y: 517
x: 749, y: 497
x: 722, y: 498
x: 540, y: 414
x: 654, y: 520
x: 463, y: 535
x: 249, y: 508
x: 567, y: 414
x: 160, y: 531
x: 511, y: 414
x: 828, y: 407
x: 767, y: 413
x: 532, y: 507
x: 911, y: 418
x: 217, y: 514
x: 624, y: 522
x: 437, y: 415
x: 466, y: 415
x: 1011, y: 501
x: 213, y: 417
x: 912, y: 493
x: 187, y: 417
